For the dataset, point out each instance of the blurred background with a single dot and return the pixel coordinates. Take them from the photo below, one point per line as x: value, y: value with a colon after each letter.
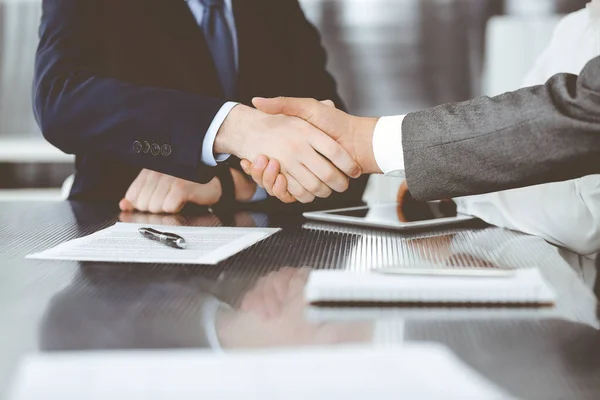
x: 389, y: 57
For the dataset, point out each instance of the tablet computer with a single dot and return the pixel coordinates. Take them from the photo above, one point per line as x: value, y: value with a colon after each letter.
x: 414, y: 215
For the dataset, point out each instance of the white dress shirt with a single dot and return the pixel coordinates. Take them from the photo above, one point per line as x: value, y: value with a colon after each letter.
x: 208, y: 157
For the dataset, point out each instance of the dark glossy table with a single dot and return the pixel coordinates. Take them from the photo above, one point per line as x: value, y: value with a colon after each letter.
x: 255, y: 298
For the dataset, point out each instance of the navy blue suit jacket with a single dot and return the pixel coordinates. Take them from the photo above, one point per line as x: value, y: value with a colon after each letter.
x: 111, y: 74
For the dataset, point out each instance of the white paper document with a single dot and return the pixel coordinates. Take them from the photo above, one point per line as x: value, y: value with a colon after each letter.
x: 123, y: 243
x: 424, y: 371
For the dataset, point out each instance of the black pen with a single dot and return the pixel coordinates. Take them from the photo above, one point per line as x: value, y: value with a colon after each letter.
x: 170, y: 239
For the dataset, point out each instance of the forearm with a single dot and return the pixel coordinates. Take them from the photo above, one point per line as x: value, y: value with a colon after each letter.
x: 85, y: 114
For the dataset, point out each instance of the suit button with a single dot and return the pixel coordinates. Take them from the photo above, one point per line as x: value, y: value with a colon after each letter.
x: 155, y: 149
x: 137, y: 146
x: 146, y: 147
x: 166, y: 150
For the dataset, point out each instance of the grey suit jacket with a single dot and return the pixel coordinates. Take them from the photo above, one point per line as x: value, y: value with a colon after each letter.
x: 531, y: 136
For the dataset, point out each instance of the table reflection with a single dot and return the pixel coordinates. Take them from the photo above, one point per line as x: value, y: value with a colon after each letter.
x: 115, y: 307
x: 251, y: 301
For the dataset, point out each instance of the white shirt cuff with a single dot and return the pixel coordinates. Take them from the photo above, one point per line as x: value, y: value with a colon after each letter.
x: 387, y: 145
x: 207, y: 156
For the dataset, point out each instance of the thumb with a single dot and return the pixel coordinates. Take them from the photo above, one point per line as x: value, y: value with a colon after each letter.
x: 301, y: 108
x: 320, y: 114
x: 126, y: 206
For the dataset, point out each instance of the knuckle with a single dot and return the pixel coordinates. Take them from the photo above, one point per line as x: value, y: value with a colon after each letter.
x: 315, y: 187
x: 131, y: 197
x: 334, y: 150
x: 330, y: 175
x: 177, y: 192
x: 179, y: 186
x: 324, y: 193
x: 307, y: 199
x: 155, y: 208
x: 299, y: 192
x: 170, y: 208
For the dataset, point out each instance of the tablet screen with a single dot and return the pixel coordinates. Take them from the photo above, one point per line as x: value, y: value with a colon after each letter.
x: 409, y: 212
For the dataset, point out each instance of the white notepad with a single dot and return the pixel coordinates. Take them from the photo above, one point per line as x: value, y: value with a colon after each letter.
x: 524, y: 287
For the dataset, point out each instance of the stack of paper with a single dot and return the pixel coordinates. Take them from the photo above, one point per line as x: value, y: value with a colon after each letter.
x: 524, y: 287
x: 423, y: 371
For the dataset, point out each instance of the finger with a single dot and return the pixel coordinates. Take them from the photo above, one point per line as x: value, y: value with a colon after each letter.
x: 270, y: 176
x: 145, y: 194
x: 301, y: 108
x: 328, y: 103
x: 306, y: 177
x: 126, y: 206
x: 402, y: 193
x: 338, y: 156
x: 246, y: 165
x: 175, y: 199
x: 280, y: 190
x: 136, y: 187
x: 155, y: 205
x: 327, y: 173
x: 298, y: 191
x: 258, y: 169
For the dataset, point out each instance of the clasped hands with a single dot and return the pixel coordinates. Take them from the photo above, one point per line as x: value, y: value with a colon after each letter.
x: 313, y: 153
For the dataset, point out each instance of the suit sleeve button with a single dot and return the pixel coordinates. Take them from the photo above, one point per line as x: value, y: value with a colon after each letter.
x: 166, y: 150
x: 155, y: 149
x: 137, y: 146
x: 146, y: 147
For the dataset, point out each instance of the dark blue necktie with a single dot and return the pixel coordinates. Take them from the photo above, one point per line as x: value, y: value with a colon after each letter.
x: 220, y: 42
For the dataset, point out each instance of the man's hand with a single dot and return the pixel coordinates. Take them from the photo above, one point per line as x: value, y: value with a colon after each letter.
x: 354, y: 134
x: 308, y: 158
x: 266, y: 173
x: 159, y: 193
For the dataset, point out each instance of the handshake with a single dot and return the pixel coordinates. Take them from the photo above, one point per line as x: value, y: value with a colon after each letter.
x: 299, y: 149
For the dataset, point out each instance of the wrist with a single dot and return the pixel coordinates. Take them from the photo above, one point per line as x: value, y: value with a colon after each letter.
x: 205, y: 194
x: 230, y: 137
x: 365, y: 155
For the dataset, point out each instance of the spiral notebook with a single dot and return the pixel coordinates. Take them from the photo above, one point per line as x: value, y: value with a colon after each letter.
x: 524, y: 287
